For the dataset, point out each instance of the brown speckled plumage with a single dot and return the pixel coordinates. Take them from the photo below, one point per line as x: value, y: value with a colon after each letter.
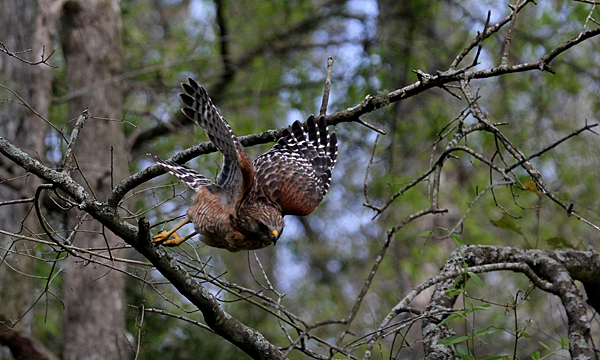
x: 244, y: 209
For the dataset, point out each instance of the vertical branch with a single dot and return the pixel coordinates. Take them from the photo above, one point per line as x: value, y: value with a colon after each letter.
x: 139, y: 334
x: 366, y: 286
x: 327, y: 89
x: 74, y: 134
x: 480, y: 37
x: 224, y: 45
x: 587, y: 20
x: 365, y: 184
x: 513, y: 20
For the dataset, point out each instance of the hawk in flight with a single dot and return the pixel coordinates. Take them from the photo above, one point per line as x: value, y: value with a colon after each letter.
x: 244, y: 208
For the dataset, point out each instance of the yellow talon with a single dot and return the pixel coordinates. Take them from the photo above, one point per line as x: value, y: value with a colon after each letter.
x: 163, y: 237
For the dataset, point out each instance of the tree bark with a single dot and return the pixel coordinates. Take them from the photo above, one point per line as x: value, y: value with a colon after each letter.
x: 24, y: 25
x: 91, y: 37
x: 553, y: 271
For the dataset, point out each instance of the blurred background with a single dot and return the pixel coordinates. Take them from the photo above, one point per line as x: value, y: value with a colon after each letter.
x: 263, y: 64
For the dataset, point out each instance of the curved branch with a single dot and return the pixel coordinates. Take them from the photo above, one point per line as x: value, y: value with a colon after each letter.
x: 275, y: 42
x: 22, y: 345
x: 246, y: 338
x: 369, y: 104
x: 551, y: 271
x: 35, y: 167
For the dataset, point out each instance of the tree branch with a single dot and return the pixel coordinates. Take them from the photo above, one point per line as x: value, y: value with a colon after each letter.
x: 22, y: 346
x: 551, y: 271
x: 246, y: 338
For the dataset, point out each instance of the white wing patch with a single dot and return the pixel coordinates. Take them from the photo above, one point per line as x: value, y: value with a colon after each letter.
x: 190, y: 177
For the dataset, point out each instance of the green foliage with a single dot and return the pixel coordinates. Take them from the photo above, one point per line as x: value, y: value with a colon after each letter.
x: 278, y: 51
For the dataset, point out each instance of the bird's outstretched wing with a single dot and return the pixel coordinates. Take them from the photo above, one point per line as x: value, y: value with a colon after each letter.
x: 296, y: 172
x: 190, y: 177
x: 237, y: 173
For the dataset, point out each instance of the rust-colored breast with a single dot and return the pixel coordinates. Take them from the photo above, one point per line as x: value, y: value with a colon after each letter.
x: 210, y: 215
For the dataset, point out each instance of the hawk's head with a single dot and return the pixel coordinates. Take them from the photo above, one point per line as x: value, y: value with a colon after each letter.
x: 261, y: 222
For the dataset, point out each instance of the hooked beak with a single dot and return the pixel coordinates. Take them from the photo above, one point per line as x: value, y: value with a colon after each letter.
x: 274, y: 237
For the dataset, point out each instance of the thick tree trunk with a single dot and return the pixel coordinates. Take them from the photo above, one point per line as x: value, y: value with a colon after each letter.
x: 24, y: 25
x: 94, y: 295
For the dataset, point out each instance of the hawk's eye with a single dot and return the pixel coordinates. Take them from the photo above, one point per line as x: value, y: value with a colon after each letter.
x: 262, y: 227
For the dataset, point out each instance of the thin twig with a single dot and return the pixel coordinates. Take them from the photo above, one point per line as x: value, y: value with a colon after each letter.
x: 365, y: 183
x: 513, y: 20
x: 179, y: 317
x: 23, y: 102
x: 510, y: 147
x: 550, y: 147
x: 19, y: 201
x: 474, y: 201
x: 139, y: 335
x: 589, y: 17
x: 369, y: 104
x: 365, y: 124
x: 327, y: 88
x: 74, y: 134
x: 480, y: 44
x: 488, y: 31
x: 402, y: 305
x: 74, y: 249
x: 44, y: 60
x: 366, y: 286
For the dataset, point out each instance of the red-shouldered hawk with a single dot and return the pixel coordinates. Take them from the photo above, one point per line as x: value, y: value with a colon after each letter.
x: 244, y: 209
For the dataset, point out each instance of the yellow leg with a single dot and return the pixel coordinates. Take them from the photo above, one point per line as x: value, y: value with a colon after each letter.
x: 163, y: 236
x: 176, y: 240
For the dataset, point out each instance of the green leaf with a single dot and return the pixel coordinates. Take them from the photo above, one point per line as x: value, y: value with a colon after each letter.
x: 545, y: 346
x: 462, y: 350
x: 488, y: 330
x: 457, y: 240
x: 453, y: 340
x: 477, y: 308
x: 454, y: 292
x: 558, y: 242
x: 507, y: 223
x: 467, y: 357
x: 475, y: 278
x: 536, y: 355
x: 450, y: 318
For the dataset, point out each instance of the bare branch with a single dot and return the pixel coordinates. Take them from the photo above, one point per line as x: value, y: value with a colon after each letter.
x: 513, y: 20
x: 74, y: 134
x: 366, y: 286
x: 327, y: 87
x: 487, y: 32
x: 558, y: 274
x: 179, y: 317
x: 44, y: 59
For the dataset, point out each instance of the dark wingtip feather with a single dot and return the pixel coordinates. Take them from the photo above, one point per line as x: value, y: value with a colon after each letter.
x: 187, y: 100
x: 194, y: 84
x: 187, y: 88
x: 189, y: 113
x: 313, y: 130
